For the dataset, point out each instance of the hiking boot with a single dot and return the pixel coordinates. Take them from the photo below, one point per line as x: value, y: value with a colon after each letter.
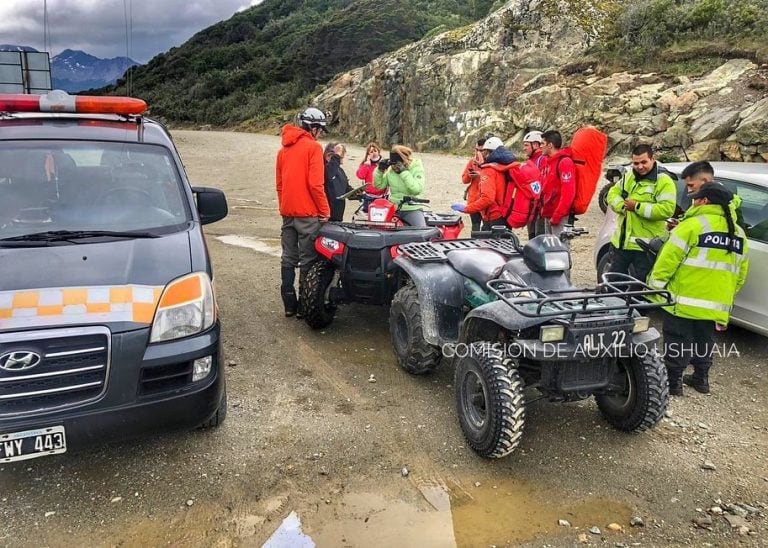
x: 675, y: 387
x: 700, y: 385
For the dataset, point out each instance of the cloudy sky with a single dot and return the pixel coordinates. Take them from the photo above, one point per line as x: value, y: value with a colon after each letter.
x: 98, y: 27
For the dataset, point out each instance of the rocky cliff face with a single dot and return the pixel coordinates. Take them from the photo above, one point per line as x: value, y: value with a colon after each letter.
x: 517, y: 70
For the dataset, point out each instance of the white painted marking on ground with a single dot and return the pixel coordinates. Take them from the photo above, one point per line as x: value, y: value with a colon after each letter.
x: 250, y: 243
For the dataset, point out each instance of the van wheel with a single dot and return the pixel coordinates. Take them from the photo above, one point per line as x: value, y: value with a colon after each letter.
x: 315, y: 305
x: 602, y: 197
x: 221, y: 414
x: 603, y: 263
x: 489, y: 401
x: 414, y: 353
x: 642, y: 394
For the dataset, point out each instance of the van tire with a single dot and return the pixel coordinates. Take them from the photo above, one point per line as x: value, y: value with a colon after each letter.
x: 220, y: 416
x: 602, y: 197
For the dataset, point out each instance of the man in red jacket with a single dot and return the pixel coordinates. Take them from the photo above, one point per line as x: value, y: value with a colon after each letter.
x: 559, y: 183
x: 300, y: 178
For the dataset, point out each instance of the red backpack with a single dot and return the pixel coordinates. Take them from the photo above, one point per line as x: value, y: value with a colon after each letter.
x: 588, y: 146
x: 521, y: 196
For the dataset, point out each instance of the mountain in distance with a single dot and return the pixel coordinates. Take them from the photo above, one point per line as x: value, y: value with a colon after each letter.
x: 13, y: 47
x: 74, y: 70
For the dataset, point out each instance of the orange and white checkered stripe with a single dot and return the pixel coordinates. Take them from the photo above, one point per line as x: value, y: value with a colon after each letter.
x: 78, y: 305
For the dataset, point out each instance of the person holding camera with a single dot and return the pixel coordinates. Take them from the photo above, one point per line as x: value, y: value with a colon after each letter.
x: 365, y: 173
x: 403, y: 175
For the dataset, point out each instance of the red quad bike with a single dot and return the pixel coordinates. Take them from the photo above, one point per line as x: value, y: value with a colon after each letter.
x: 356, y: 260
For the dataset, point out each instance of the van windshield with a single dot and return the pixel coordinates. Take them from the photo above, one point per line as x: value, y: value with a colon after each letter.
x: 89, y: 186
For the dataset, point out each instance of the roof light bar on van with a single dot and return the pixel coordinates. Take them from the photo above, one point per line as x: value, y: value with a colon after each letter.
x: 61, y: 101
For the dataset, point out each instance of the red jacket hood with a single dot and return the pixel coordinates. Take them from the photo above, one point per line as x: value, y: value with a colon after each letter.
x: 292, y: 134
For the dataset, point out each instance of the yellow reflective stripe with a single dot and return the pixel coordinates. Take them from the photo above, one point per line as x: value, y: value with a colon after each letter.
x: 647, y: 210
x: 678, y: 242
x: 666, y: 197
x: 702, y: 262
x: 704, y: 223
x: 702, y: 303
x: 77, y: 305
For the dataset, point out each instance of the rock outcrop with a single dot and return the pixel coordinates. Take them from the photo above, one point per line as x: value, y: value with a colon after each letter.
x: 518, y: 70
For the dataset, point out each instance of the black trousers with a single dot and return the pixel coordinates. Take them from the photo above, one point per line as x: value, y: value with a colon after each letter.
x: 477, y: 220
x: 622, y: 259
x: 688, y: 342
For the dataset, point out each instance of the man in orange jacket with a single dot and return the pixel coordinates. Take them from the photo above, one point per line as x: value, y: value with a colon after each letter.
x: 300, y: 183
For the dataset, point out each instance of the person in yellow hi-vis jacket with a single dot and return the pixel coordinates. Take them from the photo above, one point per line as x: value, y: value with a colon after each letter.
x: 643, y: 200
x: 703, y: 265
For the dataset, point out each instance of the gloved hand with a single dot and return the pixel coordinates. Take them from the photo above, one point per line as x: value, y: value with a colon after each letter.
x: 459, y: 207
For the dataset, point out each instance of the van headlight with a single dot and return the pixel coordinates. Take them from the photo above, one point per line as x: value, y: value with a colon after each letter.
x: 186, y: 307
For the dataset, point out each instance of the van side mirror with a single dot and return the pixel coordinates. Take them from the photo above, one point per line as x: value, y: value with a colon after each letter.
x: 211, y: 204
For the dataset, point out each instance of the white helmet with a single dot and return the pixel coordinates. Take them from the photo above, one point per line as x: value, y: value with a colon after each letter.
x: 312, y: 117
x: 492, y: 143
x: 533, y: 137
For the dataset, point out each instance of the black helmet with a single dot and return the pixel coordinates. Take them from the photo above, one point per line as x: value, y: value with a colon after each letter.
x: 312, y: 118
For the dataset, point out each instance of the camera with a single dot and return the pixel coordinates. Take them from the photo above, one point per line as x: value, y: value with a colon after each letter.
x: 384, y: 163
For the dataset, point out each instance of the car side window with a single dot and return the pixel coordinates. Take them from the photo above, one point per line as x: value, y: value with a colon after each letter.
x: 754, y: 207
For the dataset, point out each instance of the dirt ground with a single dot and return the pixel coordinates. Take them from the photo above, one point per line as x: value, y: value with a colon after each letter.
x: 309, y: 432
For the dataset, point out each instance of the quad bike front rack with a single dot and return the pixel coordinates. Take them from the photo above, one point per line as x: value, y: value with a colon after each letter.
x: 617, y: 292
x: 437, y: 251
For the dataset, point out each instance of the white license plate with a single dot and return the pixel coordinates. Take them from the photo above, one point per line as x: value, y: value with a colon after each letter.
x: 31, y: 444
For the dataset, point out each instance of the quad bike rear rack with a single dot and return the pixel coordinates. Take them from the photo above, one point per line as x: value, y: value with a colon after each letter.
x: 617, y: 292
x: 437, y: 251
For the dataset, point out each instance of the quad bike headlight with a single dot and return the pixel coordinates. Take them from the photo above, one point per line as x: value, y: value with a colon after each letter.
x: 641, y: 325
x: 552, y: 333
x: 329, y: 243
x: 187, y: 306
x: 557, y: 261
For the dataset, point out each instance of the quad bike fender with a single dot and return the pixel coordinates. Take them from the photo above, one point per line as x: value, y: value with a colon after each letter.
x: 498, y: 313
x: 441, y: 294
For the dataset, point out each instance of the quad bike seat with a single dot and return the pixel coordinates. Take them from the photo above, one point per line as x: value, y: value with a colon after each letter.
x: 363, y: 237
x: 480, y: 265
x: 442, y: 219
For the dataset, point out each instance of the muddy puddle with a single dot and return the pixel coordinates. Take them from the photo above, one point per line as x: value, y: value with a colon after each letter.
x: 501, y: 513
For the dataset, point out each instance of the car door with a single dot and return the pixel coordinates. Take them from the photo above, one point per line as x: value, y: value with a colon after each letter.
x: 750, y: 308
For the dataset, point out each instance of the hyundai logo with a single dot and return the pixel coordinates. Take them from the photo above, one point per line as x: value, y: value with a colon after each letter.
x: 19, y: 360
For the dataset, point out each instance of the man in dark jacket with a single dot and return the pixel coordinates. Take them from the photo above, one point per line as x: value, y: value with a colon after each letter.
x: 299, y: 182
x: 336, y: 180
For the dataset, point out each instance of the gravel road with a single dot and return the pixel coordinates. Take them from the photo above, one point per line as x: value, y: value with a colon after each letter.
x: 309, y: 432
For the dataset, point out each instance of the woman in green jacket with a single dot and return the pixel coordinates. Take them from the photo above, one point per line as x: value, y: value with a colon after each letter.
x: 403, y: 175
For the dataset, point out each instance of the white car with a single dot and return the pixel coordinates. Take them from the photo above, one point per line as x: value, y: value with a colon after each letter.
x: 750, y: 182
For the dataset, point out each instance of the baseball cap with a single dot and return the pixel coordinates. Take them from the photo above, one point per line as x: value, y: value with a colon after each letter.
x: 714, y: 192
x: 492, y: 143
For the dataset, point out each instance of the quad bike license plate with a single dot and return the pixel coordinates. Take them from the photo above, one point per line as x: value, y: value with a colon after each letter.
x: 31, y: 444
x: 603, y: 343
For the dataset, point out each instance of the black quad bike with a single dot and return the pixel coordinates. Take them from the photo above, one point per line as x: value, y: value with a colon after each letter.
x: 507, y: 318
x: 356, y: 260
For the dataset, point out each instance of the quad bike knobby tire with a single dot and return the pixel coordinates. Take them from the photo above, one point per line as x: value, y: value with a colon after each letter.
x: 489, y: 401
x: 414, y: 354
x: 644, y: 395
x: 314, y: 305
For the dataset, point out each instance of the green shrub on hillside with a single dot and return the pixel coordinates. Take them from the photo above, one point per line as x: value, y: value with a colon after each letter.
x: 268, y: 58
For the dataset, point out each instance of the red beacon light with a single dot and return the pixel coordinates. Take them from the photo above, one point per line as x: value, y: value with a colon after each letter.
x: 61, y: 101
